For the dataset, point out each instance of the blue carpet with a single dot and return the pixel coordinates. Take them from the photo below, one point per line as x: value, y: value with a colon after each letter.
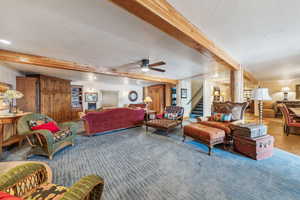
x: 139, y: 166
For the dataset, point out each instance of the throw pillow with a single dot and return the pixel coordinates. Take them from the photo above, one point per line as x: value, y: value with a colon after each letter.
x: 172, y: 116
x: 38, y: 122
x: 51, y: 126
x: 226, y: 117
x: 5, y: 196
x: 221, y: 117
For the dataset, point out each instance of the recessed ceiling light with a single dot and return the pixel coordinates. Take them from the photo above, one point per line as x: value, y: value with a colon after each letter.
x: 5, y: 42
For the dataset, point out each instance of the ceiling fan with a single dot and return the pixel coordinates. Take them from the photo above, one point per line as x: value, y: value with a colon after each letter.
x: 143, y: 65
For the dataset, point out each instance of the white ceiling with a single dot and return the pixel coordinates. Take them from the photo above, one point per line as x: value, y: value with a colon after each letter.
x: 263, y: 35
x: 94, y: 32
x: 75, y: 75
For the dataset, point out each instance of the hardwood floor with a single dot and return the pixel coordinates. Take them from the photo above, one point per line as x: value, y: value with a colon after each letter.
x: 289, y: 143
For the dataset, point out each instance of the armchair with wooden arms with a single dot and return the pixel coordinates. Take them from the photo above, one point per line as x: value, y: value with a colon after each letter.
x: 32, y: 181
x: 171, y: 118
x: 43, y: 142
x: 290, y: 120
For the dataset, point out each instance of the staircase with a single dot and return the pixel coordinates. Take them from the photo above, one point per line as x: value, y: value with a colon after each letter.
x: 198, y: 110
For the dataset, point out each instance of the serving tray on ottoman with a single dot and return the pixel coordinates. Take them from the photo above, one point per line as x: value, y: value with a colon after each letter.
x: 251, y: 130
x: 256, y: 148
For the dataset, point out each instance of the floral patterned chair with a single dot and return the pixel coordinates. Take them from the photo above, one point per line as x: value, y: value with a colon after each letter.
x: 32, y: 181
x: 43, y: 142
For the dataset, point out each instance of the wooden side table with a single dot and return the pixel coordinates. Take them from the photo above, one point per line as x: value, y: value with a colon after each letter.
x: 10, y: 119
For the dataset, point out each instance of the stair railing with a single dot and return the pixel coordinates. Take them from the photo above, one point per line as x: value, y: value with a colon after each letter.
x: 199, y: 92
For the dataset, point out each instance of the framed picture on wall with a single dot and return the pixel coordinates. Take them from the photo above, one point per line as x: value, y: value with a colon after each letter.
x: 297, y: 91
x: 183, y: 93
x: 91, y: 96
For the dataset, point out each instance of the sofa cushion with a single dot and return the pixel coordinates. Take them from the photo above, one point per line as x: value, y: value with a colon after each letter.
x: 47, y: 192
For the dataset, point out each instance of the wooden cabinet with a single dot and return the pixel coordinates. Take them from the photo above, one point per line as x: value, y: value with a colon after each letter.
x: 157, y: 94
x: 47, y: 95
x: 162, y: 95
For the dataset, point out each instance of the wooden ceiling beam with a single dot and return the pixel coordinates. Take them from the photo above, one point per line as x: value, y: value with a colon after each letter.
x: 249, y: 76
x: 165, y: 17
x: 41, y: 61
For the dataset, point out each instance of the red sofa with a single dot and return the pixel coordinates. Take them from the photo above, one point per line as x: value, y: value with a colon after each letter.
x: 112, y: 119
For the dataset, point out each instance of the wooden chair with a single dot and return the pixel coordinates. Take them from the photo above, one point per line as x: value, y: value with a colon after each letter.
x: 289, y: 121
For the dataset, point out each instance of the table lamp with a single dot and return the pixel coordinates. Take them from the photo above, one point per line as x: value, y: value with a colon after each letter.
x: 11, y: 95
x: 147, y: 101
x: 261, y: 94
x: 285, y: 91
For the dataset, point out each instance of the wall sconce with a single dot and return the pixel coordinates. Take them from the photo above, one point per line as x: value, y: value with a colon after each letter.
x: 285, y: 91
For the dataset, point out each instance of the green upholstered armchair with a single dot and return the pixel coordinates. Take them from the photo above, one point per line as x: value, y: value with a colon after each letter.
x: 32, y: 181
x: 43, y: 142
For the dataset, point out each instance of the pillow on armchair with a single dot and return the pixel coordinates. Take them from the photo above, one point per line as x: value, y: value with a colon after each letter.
x: 236, y: 109
x: 5, y: 196
x: 221, y: 117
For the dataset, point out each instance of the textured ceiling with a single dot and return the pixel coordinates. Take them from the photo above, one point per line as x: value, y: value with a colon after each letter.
x: 94, y: 32
x: 262, y: 35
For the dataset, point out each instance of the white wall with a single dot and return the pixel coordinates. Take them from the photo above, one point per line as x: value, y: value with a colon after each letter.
x: 186, y: 84
x: 275, y: 88
x: 208, y: 87
x: 8, y: 75
x: 123, y: 89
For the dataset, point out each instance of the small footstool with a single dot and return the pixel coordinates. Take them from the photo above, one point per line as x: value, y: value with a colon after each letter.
x: 205, y: 134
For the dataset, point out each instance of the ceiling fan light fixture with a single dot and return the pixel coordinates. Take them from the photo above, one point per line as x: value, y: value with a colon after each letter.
x: 145, y: 69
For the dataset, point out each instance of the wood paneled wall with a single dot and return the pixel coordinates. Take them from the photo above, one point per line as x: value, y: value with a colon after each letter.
x: 47, y: 95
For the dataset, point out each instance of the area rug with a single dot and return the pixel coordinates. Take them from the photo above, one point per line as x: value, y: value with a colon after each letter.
x: 137, y: 166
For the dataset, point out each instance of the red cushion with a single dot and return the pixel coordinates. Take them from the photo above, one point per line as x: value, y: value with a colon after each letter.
x: 5, y: 196
x: 51, y: 126
x: 294, y: 124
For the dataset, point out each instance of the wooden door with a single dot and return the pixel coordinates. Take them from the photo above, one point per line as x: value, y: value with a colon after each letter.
x: 28, y: 86
x: 157, y: 94
x: 56, y: 98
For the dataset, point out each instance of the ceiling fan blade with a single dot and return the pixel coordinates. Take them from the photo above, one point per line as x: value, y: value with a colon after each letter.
x: 157, y: 69
x: 157, y: 64
x: 129, y: 65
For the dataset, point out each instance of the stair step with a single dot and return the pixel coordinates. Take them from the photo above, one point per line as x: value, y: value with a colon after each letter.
x: 197, y: 112
x: 195, y: 115
x: 198, y: 109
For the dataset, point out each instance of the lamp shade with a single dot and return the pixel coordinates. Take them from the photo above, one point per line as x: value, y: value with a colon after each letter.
x: 148, y: 99
x: 13, y: 94
x: 285, y: 89
x: 261, y: 94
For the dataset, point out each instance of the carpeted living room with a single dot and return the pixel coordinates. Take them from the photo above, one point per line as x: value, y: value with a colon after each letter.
x: 149, y: 99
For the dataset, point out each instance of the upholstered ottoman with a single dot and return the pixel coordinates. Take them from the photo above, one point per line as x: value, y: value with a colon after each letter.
x: 205, y: 134
x: 162, y: 124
